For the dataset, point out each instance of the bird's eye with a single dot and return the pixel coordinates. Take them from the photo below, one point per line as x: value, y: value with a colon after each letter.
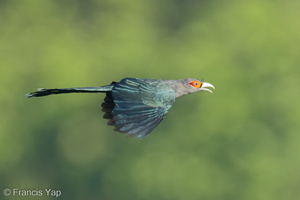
x: 196, y: 84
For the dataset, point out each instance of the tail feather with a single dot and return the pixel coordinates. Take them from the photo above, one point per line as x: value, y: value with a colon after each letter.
x: 45, y: 92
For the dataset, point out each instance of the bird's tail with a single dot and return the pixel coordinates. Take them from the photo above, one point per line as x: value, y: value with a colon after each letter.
x: 45, y: 92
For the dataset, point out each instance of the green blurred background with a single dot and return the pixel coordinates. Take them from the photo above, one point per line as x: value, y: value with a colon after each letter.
x: 240, y: 143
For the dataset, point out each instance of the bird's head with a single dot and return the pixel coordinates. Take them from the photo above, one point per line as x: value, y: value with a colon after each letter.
x: 190, y: 85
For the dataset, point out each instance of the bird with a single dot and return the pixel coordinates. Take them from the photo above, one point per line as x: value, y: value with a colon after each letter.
x: 136, y: 106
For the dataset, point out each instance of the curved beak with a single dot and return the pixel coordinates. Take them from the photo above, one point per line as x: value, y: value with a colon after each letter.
x: 205, y: 84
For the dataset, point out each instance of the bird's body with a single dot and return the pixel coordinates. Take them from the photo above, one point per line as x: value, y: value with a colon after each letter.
x: 136, y: 106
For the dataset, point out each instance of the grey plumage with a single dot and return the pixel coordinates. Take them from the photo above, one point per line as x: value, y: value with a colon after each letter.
x: 136, y: 106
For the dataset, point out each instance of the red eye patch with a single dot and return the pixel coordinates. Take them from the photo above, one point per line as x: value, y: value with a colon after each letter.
x: 196, y: 84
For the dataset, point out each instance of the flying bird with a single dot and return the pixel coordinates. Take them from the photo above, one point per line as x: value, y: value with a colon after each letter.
x: 136, y: 106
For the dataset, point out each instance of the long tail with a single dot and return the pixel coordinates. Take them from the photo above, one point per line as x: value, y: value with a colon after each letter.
x: 45, y: 92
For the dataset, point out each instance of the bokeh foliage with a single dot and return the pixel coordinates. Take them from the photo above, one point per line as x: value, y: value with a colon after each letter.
x: 242, y: 142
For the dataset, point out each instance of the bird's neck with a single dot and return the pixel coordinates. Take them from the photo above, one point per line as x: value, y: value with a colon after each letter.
x: 178, y: 86
x: 181, y: 92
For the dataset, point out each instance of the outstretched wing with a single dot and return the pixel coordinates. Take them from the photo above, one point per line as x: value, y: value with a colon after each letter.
x: 137, y: 106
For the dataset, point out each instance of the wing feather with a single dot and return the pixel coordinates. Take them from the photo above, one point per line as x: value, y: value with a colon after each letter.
x: 143, y: 131
x: 132, y: 106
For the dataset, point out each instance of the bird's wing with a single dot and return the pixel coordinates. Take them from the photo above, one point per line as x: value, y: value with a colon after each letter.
x: 139, y: 106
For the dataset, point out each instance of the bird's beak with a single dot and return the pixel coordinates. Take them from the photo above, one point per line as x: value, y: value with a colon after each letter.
x: 205, y: 84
